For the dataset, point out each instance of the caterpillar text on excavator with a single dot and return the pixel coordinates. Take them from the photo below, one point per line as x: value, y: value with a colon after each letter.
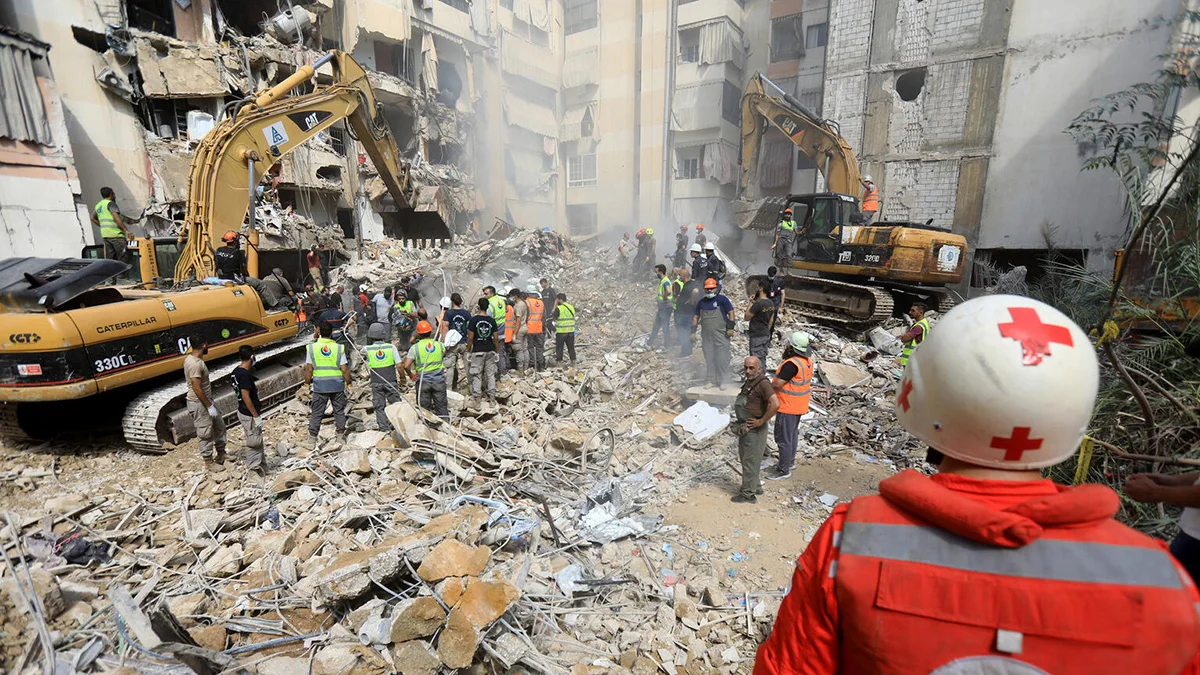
x: 76, y: 347
x: 843, y: 270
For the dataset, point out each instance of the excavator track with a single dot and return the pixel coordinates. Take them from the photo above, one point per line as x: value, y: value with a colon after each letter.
x: 838, y: 302
x: 155, y: 417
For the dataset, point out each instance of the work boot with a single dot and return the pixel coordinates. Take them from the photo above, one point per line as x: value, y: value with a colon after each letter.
x: 743, y: 499
x: 309, y: 443
x: 779, y: 474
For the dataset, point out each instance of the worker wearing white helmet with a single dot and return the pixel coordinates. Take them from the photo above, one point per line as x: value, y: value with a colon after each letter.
x: 699, y: 263
x: 870, y: 199
x: 987, y: 566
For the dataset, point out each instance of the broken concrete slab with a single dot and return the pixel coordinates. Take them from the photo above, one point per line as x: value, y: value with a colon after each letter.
x: 415, y: 658
x: 721, y: 398
x: 452, y: 558
x: 841, y: 375
x: 354, y: 460
x: 225, y: 562
x: 485, y: 601
x: 458, y: 641
x: 48, y: 593
x: 416, y: 618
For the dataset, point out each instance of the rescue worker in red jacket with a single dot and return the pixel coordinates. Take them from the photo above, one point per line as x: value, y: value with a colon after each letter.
x: 986, y: 567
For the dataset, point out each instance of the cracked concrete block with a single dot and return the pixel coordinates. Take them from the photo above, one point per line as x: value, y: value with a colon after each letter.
x: 262, y: 543
x: 354, y: 460
x: 458, y: 641
x: 416, y: 618
x: 415, y: 658
x: 226, y: 562
x: 452, y: 558
x: 485, y: 601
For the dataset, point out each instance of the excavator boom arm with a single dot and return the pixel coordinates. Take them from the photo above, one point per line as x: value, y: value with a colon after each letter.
x: 260, y: 133
x: 764, y: 103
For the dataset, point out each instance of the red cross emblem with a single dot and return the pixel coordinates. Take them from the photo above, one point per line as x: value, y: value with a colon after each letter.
x: 905, y: 389
x: 1016, y: 446
x: 1035, y: 337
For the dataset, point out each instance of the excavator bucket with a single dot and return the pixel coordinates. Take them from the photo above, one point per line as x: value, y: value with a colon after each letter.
x: 759, y: 214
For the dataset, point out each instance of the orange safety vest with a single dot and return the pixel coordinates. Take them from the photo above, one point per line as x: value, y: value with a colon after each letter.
x: 1042, y: 596
x: 871, y: 201
x: 510, y: 323
x: 793, y: 397
x: 537, y: 309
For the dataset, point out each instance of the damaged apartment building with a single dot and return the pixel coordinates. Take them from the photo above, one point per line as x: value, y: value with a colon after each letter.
x: 142, y: 81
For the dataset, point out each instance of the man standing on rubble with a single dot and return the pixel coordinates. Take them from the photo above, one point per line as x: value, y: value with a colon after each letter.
x: 107, y: 217
x: 987, y: 566
x: 755, y: 405
x: 761, y: 315
x: 535, y: 334
x: 775, y: 288
x: 714, y: 316
x: 341, y: 322
x: 313, y: 258
x: 714, y: 266
x: 249, y: 411
x: 520, y: 310
x: 404, y: 319
x: 701, y: 239
x: 564, y: 326
x: 327, y: 372
x: 915, y: 335
x: 549, y: 295
x: 699, y: 263
x: 384, y: 362
x: 685, y: 310
x: 664, y: 294
x: 429, y: 374
x: 624, y: 250
x: 456, y: 319
x: 793, y: 383
x: 210, y: 427
x: 484, y: 337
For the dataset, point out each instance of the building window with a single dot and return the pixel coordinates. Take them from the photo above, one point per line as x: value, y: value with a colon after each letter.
x: 337, y: 139
x: 581, y: 170
x: 689, y: 46
x: 531, y: 33
x: 581, y: 15
x: 731, y: 103
x: 396, y: 60
x: 811, y: 99
x: 157, y: 16
x: 689, y: 168
x: 817, y: 35
x: 460, y: 5
x: 787, y: 41
x: 581, y: 219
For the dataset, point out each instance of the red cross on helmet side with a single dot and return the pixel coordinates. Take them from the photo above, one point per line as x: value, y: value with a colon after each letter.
x: 1001, y: 381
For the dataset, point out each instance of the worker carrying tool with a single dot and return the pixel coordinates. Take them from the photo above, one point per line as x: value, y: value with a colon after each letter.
x: 384, y: 362
x: 785, y: 239
x: 915, y: 335
x: 987, y: 567
x: 870, y: 200
x: 424, y: 365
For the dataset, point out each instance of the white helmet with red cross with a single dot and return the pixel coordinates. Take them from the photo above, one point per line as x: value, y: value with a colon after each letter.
x: 1001, y: 381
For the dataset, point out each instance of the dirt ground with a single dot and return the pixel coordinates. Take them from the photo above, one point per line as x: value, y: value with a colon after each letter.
x: 764, y: 539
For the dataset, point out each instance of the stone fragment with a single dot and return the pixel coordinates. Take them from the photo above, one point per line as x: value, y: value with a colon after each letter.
x: 202, y: 523
x: 65, y: 503
x: 354, y: 460
x: 685, y: 607
x: 349, y: 575
x: 450, y: 590
x: 452, y: 558
x: 485, y: 601
x: 290, y: 480
x: 416, y: 618
x: 47, y: 589
x: 210, y: 637
x: 185, y: 606
x: 282, y: 665
x: 841, y: 375
x: 458, y: 641
x: 226, y: 562
x: 567, y: 436
x: 261, y: 543
x: 348, y: 659
x: 415, y: 658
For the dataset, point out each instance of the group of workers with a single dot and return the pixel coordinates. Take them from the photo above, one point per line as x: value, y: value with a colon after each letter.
x: 399, y: 341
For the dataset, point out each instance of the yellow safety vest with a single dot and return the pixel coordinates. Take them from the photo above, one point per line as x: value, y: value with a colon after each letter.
x: 326, y: 355
x: 675, y: 298
x: 429, y: 356
x: 566, y: 318
x: 909, y: 348
x: 789, y: 225
x: 496, y: 308
x: 664, y: 289
x: 108, y: 223
x: 381, y: 355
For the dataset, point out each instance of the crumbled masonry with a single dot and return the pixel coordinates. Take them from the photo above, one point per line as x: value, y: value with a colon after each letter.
x: 532, y: 534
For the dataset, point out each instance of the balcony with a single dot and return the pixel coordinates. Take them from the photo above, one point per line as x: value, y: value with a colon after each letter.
x: 704, y: 10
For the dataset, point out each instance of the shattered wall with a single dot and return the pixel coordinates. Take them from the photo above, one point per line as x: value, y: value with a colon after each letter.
x: 1037, y: 165
x: 41, y: 210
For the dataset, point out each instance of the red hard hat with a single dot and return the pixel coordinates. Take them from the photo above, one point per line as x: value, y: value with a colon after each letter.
x: 700, y: 226
x: 641, y: 232
x: 229, y: 236
x: 424, y: 327
x: 710, y: 284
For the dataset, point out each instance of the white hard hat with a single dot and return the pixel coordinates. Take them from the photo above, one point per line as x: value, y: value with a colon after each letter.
x: 708, y: 246
x: 445, y: 303
x: 1002, y: 381
x: 694, y: 248
x: 867, y: 178
x: 362, y: 288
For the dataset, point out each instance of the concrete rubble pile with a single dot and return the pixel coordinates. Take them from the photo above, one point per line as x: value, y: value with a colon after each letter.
x: 526, y: 536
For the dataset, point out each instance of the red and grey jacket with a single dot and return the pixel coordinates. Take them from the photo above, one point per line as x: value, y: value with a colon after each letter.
x: 953, y: 575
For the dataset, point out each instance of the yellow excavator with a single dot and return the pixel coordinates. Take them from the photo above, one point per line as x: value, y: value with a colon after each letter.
x: 844, y: 271
x: 75, y: 347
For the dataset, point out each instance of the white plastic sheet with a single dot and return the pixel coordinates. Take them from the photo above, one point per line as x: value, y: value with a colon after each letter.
x: 702, y: 421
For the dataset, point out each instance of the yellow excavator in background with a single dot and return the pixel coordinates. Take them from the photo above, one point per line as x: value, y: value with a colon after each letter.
x: 843, y: 271
x: 73, y: 347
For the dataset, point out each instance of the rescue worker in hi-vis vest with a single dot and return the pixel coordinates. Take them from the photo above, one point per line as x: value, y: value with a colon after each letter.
x: 870, y: 200
x: 987, y: 567
x: 113, y: 231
